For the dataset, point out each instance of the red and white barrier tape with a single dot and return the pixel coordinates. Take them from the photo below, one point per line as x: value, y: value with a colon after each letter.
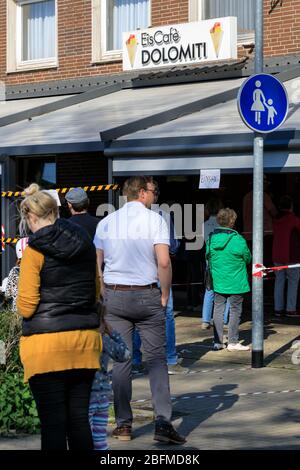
x: 259, y: 270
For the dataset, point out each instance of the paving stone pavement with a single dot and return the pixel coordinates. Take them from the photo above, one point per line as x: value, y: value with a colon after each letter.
x: 221, y: 403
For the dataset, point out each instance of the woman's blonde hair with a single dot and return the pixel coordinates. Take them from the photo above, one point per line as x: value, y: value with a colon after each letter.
x: 39, y: 203
x: 226, y: 217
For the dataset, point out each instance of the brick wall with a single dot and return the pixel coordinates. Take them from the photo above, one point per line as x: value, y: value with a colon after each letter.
x: 282, y: 36
x: 282, y: 28
x: 169, y: 11
x: 75, y: 40
x: 2, y: 39
x: 83, y: 170
x: 74, y: 46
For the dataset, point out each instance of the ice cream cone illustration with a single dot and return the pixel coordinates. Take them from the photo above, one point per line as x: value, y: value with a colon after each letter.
x: 217, y: 35
x: 131, y: 45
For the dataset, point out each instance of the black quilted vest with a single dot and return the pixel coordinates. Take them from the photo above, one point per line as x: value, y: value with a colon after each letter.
x: 68, y: 276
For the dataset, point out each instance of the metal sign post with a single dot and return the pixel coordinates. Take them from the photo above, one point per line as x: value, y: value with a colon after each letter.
x: 258, y: 222
x: 263, y: 106
x: 257, y: 253
x: 258, y: 202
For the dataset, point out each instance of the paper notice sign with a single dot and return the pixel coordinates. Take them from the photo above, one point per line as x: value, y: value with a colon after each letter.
x: 210, y: 179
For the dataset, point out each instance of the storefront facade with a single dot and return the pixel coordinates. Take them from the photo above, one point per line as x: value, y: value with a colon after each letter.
x: 171, y: 119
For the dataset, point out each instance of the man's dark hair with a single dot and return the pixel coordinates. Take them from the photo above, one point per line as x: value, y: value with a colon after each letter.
x: 214, y: 205
x: 80, y: 206
x: 286, y: 203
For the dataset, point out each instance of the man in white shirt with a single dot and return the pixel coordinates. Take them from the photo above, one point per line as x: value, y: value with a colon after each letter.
x: 172, y: 358
x: 133, y: 243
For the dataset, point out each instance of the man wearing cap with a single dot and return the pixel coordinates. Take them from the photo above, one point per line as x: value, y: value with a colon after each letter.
x: 78, y: 203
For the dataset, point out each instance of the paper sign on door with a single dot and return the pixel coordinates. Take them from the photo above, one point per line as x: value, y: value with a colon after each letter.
x: 210, y: 179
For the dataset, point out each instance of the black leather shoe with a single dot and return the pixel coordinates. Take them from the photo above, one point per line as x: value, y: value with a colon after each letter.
x: 279, y: 313
x: 164, y: 432
x: 123, y: 433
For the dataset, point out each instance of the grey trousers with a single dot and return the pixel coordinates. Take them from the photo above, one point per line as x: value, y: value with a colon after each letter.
x: 236, y: 304
x: 140, y: 309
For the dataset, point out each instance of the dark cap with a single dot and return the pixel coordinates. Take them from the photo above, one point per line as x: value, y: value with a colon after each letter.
x: 76, y: 196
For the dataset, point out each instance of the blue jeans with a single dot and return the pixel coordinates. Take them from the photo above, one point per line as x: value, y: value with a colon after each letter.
x: 292, y: 277
x: 170, y: 336
x: 208, y: 305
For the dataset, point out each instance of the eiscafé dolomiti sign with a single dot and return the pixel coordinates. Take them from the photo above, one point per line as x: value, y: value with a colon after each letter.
x: 180, y: 44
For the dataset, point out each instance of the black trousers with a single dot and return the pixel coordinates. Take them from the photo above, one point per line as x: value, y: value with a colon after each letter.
x: 62, y: 400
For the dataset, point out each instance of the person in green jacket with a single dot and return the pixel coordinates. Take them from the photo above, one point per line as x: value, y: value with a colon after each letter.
x: 228, y: 255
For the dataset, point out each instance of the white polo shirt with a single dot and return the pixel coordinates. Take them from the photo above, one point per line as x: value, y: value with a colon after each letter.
x: 127, y: 238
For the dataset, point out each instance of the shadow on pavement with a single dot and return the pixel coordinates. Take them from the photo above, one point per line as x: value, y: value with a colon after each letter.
x: 291, y: 415
x: 274, y: 355
x: 193, y: 352
x: 215, y: 402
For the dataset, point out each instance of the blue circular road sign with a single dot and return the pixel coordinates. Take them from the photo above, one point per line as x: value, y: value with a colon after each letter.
x: 263, y: 103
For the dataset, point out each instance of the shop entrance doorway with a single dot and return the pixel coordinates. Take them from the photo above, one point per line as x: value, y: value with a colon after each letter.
x: 184, y: 189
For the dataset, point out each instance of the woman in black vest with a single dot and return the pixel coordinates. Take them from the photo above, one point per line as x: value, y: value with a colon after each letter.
x: 60, y: 341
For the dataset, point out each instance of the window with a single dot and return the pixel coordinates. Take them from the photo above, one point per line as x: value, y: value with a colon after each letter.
x: 32, y: 34
x: 244, y: 10
x: 41, y: 171
x: 38, y: 30
x: 122, y: 16
x: 49, y: 174
x: 113, y: 17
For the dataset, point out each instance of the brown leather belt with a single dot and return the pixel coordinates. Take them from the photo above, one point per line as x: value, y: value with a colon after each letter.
x: 127, y: 288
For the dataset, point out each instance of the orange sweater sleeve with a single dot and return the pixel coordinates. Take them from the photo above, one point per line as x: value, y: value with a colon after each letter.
x: 29, y: 282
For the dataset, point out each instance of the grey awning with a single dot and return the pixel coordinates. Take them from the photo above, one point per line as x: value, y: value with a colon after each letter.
x: 220, y: 119
x: 8, y: 108
x: 117, y: 114
x: 81, y: 123
x: 215, y: 137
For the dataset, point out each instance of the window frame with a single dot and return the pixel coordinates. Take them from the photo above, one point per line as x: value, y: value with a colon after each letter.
x: 14, y: 40
x: 100, y: 53
x: 196, y: 13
